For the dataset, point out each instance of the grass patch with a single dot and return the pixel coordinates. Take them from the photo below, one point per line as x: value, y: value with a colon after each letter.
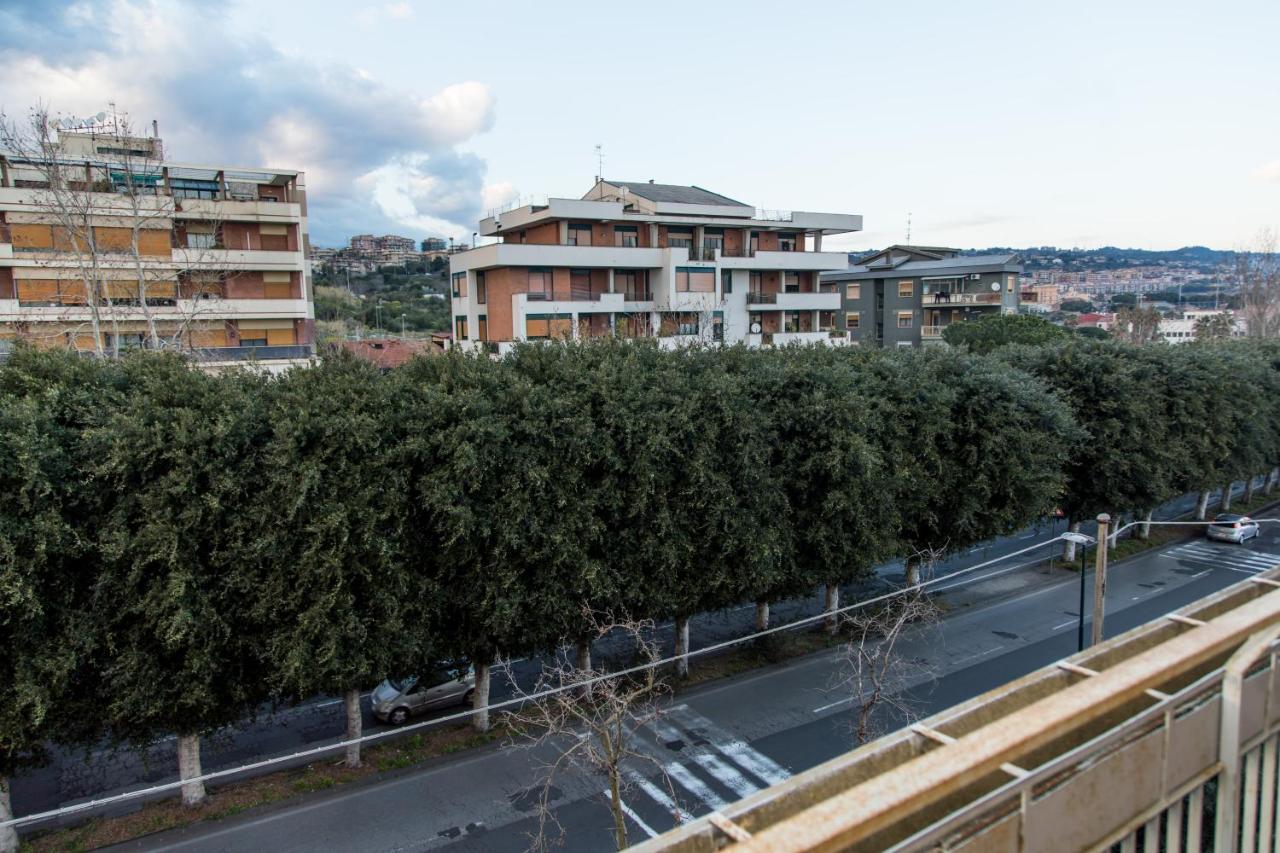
x: 236, y: 797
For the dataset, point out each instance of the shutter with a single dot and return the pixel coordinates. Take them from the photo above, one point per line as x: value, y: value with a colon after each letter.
x: 277, y: 290
x: 113, y: 239
x: 35, y: 290
x: 561, y: 327
x: 153, y: 241
x: 31, y: 236
x: 280, y: 337
x: 536, y: 327
x: 204, y: 338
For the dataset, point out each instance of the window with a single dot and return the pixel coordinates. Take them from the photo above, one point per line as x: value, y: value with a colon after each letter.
x: 459, y: 285
x: 755, y: 242
x: 274, y: 238
x: 277, y: 285
x: 253, y: 337
x: 482, y: 290
x: 797, y: 321
x: 482, y: 327
x: 633, y: 284
x: 853, y: 292
x: 906, y: 289
x: 791, y: 282
x: 679, y: 238
x: 579, y: 234
x: 541, y: 327
x: 826, y: 321
x: 852, y: 321
x: 1008, y: 287
x: 713, y: 238
x: 695, y: 280
x: 188, y: 188
x: 202, y: 240
x: 459, y: 328
x: 580, y: 284
x: 755, y: 283
x: 539, y: 283
x: 626, y: 236
x: 678, y: 323
x: 726, y: 281
x: 717, y: 326
x: 786, y: 242
x: 905, y: 319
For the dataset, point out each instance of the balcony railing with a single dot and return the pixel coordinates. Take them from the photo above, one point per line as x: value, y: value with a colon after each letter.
x: 931, y: 331
x: 702, y: 253
x: 759, y: 298
x: 961, y: 299
x: 263, y: 353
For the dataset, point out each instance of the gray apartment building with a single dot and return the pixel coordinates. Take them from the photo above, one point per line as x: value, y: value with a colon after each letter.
x: 906, y: 295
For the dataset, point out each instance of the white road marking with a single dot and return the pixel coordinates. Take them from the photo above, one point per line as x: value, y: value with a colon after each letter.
x: 331, y: 702
x: 626, y: 809
x: 726, y: 775
x: 1066, y: 624
x: 733, y: 747
x: 980, y: 654
x: 658, y: 795
x: 693, y: 785
x: 831, y: 705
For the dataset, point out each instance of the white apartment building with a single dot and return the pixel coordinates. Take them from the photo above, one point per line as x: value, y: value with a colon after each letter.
x: 640, y: 259
x: 1182, y: 330
x: 207, y: 260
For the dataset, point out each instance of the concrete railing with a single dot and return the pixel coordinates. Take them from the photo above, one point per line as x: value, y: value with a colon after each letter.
x: 1164, y: 738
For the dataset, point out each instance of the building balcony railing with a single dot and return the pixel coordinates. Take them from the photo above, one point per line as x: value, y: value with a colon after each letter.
x: 931, y: 331
x: 702, y: 253
x: 264, y: 353
x: 961, y: 299
x: 759, y: 298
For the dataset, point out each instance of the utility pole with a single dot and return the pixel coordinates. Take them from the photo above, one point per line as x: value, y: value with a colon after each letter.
x: 1100, y: 578
x: 402, y: 325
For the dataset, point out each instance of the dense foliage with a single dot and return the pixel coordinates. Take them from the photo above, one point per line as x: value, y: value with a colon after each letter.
x: 177, y: 549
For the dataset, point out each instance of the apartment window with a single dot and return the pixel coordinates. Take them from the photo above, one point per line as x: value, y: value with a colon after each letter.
x: 459, y: 285
x: 791, y: 282
x: 796, y: 321
x: 541, y: 327
x: 755, y: 282
x: 201, y: 240
x: 853, y: 292
x: 679, y: 238
x: 626, y: 236
x: 826, y: 321
x: 755, y: 241
x: 459, y: 328
x: 717, y: 326
x: 1008, y: 287
x: 188, y: 188
x: 678, y: 323
x: 852, y: 321
x: 906, y: 289
x: 633, y: 284
x: 273, y: 238
x: 905, y: 319
x: 786, y: 242
x: 482, y: 327
x: 579, y: 234
x: 253, y: 337
x: 482, y: 290
x: 695, y: 280
x: 580, y: 284
x: 726, y: 281
x: 713, y: 238
x: 539, y: 283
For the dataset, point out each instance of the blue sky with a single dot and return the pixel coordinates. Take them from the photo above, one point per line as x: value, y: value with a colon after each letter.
x: 1126, y: 123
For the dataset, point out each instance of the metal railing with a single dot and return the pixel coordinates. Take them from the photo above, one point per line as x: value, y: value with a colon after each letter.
x: 961, y: 299
x: 263, y: 353
x: 761, y: 298
x: 931, y: 331
x: 1163, y: 738
x: 702, y: 253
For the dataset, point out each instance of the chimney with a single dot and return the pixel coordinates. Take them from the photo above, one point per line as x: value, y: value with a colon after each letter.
x: 651, y: 180
x: 155, y: 128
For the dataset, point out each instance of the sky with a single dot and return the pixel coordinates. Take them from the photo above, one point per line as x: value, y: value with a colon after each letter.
x: 1128, y: 123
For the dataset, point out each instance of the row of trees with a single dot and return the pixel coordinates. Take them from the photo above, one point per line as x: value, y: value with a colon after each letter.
x: 180, y: 550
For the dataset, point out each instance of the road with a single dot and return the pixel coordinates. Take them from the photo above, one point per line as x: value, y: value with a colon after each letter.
x: 726, y: 739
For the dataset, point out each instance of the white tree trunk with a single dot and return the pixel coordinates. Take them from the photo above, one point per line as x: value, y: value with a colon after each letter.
x: 1226, y: 496
x: 832, y: 605
x: 8, y: 835
x: 682, y: 646
x: 1202, y: 506
x: 1069, y: 547
x: 762, y: 615
x: 1144, y: 529
x: 912, y: 566
x: 1270, y: 484
x: 355, y: 726
x: 584, y: 655
x: 480, y: 701
x: 1248, y: 490
x: 193, y: 793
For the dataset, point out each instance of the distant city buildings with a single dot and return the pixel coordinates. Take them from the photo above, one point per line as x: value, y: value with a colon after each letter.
x: 906, y: 296
x: 366, y: 253
x: 1181, y: 330
x: 641, y: 259
x: 106, y: 246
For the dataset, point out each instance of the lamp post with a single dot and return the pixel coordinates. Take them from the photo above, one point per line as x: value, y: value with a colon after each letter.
x: 1084, y: 542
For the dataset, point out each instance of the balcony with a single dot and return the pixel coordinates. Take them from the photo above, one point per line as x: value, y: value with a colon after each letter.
x: 931, y: 331
x: 702, y: 253
x: 555, y: 255
x: 266, y: 353
x: 795, y: 261
x: 929, y: 299
x: 826, y: 301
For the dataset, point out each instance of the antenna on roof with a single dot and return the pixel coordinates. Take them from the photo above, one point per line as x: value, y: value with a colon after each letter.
x: 908, y: 228
x: 599, y: 162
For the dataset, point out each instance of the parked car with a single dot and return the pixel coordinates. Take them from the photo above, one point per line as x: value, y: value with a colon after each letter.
x: 1231, y: 528
x: 397, y: 699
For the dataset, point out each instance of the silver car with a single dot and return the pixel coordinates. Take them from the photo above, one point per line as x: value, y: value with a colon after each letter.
x: 397, y: 699
x: 1232, y: 528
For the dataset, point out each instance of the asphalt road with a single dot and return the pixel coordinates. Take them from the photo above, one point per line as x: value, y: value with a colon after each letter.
x: 718, y: 743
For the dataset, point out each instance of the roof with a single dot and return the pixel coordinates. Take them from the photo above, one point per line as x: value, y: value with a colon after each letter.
x: 944, y: 266
x: 674, y: 193
x: 389, y: 352
x: 922, y: 252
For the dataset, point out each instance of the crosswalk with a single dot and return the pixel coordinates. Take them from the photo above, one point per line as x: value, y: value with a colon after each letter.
x: 1209, y: 555
x: 698, y: 767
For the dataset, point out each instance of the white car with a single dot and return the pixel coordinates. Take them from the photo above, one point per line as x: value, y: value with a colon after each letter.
x: 397, y: 699
x: 1232, y: 528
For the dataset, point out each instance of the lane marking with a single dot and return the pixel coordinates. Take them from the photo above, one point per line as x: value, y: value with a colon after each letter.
x: 685, y: 779
x: 733, y: 747
x: 659, y: 796
x: 831, y: 705
x: 626, y: 809
x: 1065, y: 624
x: 726, y: 775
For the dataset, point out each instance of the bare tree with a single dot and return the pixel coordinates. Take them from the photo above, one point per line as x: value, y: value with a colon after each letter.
x: 1255, y: 273
x: 876, y: 671
x: 592, y: 721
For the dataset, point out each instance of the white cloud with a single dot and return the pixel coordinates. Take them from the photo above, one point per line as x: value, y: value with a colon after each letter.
x: 221, y: 97
x: 1269, y: 171
x: 399, y: 11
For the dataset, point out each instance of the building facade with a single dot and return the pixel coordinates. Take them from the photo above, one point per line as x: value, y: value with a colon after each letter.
x: 905, y: 296
x: 130, y: 251
x: 640, y: 259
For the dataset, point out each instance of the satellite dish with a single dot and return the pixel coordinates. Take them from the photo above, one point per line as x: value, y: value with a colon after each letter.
x: 995, y: 287
x: 755, y: 328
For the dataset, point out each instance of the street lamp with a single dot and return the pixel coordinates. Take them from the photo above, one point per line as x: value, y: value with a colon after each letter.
x: 1084, y: 542
x: 402, y: 316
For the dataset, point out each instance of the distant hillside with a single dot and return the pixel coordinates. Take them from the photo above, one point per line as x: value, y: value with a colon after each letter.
x: 1106, y: 258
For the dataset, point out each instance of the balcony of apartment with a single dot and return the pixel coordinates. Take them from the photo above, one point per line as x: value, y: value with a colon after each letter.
x: 576, y: 301
x: 240, y: 259
x: 556, y: 255
x: 748, y: 258
x: 975, y: 299
x: 260, y: 210
x: 290, y: 352
x: 825, y: 298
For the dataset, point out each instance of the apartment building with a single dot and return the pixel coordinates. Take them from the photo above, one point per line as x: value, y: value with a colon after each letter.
x: 131, y: 251
x: 906, y: 295
x: 1182, y: 329
x: 641, y: 259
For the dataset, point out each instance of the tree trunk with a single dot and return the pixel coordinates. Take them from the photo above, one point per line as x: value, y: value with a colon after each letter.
x: 193, y: 793
x: 762, y: 615
x: 1226, y: 497
x: 1069, y: 547
x: 833, y: 604
x: 682, y: 646
x: 1248, y: 490
x: 1144, y: 529
x: 584, y: 655
x: 912, y: 565
x: 1202, y: 506
x: 8, y: 835
x: 480, y: 701
x: 1270, y: 482
x: 355, y: 725
x: 619, y: 819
